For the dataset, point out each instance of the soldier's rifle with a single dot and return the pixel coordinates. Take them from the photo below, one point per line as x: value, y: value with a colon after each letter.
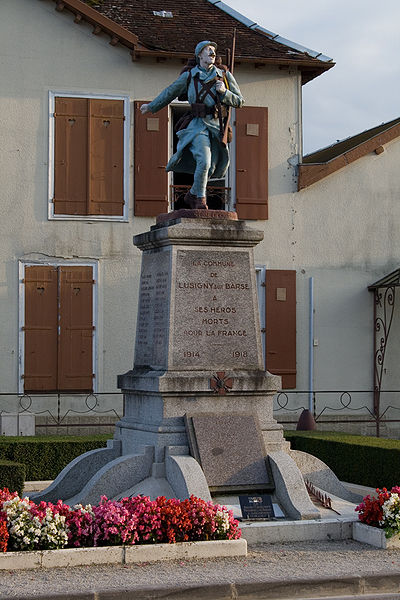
x: 225, y: 133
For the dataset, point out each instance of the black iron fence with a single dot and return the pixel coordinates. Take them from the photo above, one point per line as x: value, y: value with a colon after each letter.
x: 336, y: 407
x: 58, y: 408
x: 329, y: 407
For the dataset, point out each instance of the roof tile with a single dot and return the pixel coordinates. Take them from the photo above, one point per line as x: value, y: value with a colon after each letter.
x: 196, y: 20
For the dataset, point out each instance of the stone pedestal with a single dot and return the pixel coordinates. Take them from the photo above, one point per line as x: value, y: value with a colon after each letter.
x: 198, y: 345
x: 156, y: 402
x: 197, y: 318
x: 198, y: 361
x: 198, y: 301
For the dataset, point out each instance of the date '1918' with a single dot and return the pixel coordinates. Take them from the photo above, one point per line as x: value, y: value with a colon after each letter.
x: 239, y: 354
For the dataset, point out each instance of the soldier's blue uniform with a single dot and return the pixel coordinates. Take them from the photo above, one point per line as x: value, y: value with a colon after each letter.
x: 199, y: 150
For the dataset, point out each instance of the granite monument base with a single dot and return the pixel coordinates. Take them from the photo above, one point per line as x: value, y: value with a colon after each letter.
x: 156, y: 405
x: 198, y: 389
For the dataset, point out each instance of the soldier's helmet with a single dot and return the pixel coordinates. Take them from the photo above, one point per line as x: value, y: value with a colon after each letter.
x: 201, y: 45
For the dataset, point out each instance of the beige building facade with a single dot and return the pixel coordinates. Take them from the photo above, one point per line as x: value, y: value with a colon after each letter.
x: 341, y: 230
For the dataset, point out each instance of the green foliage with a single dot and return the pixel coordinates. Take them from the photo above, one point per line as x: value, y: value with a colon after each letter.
x: 45, y: 456
x: 369, y: 461
x: 12, y: 476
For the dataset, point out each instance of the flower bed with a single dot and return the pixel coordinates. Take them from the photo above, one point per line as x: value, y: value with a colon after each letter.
x: 382, y: 511
x: 25, y: 525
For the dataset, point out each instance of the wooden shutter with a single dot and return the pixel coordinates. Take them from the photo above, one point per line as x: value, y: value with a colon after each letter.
x: 75, y: 363
x: 40, y: 368
x: 106, y: 157
x: 252, y: 162
x: 58, y: 328
x: 89, y: 157
x: 71, y: 156
x: 281, y: 325
x: 151, y: 157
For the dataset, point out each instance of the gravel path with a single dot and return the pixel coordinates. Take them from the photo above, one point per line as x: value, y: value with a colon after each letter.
x: 264, y: 563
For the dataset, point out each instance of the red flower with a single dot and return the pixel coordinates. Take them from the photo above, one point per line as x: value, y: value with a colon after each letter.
x: 3, y: 536
x: 370, y: 509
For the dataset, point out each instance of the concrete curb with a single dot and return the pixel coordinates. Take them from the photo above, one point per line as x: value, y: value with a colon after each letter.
x: 372, y: 586
x: 74, y: 557
x: 374, y: 537
x: 269, y: 532
x: 252, y: 533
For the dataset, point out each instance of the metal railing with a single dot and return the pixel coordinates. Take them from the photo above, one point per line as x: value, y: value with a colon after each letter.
x: 349, y: 406
x: 217, y: 196
x: 59, y: 406
x: 331, y: 407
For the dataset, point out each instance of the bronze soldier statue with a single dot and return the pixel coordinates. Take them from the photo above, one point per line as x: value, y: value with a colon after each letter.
x: 202, y: 149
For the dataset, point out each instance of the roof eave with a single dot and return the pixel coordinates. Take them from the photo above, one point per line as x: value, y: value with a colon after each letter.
x: 310, y: 173
x: 310, y: 68
x: 270, y: 34
x: 391, y: 280
x: 100, y: 23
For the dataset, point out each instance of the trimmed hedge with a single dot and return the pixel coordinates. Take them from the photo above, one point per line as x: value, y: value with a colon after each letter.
x: 12, y: 476
x: 45, y: 456
x: 370, y: 461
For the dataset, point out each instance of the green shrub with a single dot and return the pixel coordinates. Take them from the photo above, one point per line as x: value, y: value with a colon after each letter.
x: 45, y: 456
x: 12, y: 476
x: 370, y: 461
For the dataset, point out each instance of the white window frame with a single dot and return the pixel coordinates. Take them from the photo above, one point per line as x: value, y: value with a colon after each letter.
x: 124, y: 218
x: 22, y: 264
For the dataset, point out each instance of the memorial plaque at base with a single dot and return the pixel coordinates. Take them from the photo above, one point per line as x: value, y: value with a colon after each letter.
x: 230, y: 451
x: 257, y: 507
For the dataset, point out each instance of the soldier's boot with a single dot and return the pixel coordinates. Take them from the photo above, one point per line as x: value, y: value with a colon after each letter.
x: 194, y: 202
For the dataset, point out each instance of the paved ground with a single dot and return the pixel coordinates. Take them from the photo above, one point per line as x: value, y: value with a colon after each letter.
x: 337, y: 569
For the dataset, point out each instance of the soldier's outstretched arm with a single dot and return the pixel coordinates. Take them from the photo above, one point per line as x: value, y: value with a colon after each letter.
x: 171, y: 92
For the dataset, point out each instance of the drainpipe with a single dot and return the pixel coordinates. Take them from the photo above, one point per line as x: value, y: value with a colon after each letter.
x: 306, y: 421
x: 311, y: 347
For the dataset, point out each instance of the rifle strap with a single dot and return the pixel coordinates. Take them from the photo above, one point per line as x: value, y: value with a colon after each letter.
x: 205, y: 90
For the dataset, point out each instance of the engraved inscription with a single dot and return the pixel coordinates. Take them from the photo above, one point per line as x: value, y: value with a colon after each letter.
x: 216, y: 318
x: 153, y: 311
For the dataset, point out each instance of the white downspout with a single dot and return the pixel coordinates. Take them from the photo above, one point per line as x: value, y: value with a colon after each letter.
x: 311, y: 347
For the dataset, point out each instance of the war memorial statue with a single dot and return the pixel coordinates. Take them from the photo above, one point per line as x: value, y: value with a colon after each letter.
x: 202, y: 146
x: 198, y: 402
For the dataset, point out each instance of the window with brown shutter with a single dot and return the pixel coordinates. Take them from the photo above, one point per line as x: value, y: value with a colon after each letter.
x: 58, y: 329
x: 252, y: 162
x: 41, y: 319
x: 280, y: 321
x: 75, y: 352
x: 151, y: 157
x: 88, y: 158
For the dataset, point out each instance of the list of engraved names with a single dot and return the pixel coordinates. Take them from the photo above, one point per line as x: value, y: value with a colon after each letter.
x: 152, y: 325
x: 214, y: 321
